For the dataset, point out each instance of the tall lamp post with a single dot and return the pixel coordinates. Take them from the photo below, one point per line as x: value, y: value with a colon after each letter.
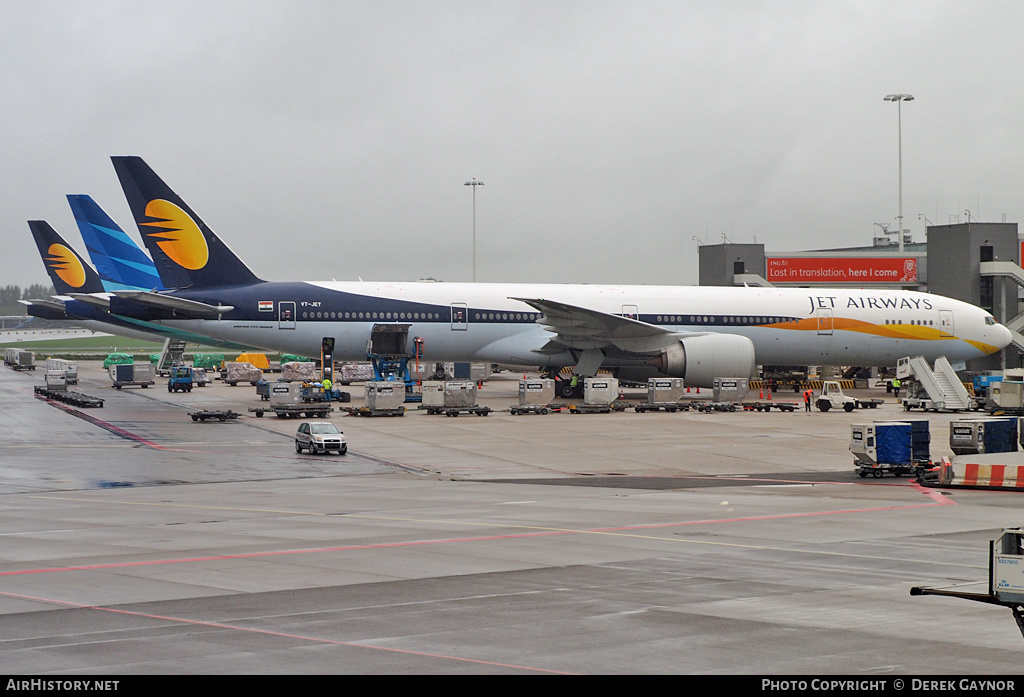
x: 899, y: 99
x: 474, y: 183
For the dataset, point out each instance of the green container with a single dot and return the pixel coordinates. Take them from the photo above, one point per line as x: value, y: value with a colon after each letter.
x: 292, y: 358
x: 118, y: 359
x: 207, y: 360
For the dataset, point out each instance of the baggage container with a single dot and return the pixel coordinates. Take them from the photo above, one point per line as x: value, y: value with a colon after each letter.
x: 998, y: 434
x: 730, y: 389
x: 600, y: 391
x: 665, y: 390
x: 384, y: 395
x: 440, y: 395
x: 536, y: 391
x: 353, y: 372
x: 56, y: 380
x: 141, y: 374
x: 298, y: 371
x: 23, y: 360
x: 69, y: 368
x: 236, y: 372
x: 282, y: 393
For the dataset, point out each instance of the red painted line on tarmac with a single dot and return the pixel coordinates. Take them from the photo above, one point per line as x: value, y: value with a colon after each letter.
x: 938, y: 500
x: 284, y: 635
x: 116, y: 430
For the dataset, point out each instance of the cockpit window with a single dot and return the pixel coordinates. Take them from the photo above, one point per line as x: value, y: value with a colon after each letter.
x: 989, y: 320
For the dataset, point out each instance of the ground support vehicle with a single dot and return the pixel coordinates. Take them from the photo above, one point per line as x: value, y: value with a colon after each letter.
x: 520, y: 409
x: 367, y: 411
x: 294, y: 411
x: 768, y: 405
x: 893, y: 447
x: 832, y: 396
x: 714, y: 406
x: 455, y: 411
x: 219, y: 414
x: 670, y: 407
x: 71, y: 397
x: 584, y: 408
x: 179, y: 379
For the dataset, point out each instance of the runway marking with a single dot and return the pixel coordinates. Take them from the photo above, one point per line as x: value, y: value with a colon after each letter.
x: 284, y: 635
x: 536, y: 531
x: 116, y: 430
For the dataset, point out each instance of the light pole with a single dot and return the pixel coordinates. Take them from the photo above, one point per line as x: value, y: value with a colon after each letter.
x: 474, y: 183
x: 899, y: 99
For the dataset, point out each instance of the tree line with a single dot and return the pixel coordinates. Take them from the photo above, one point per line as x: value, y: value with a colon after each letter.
x: 10, y: 295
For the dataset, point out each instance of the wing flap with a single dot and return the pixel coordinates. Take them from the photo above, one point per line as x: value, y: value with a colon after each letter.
x: 180, y: 306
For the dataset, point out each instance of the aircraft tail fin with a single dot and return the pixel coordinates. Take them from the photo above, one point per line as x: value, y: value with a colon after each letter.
x: 122, y: 265
x: 66, y: 268
x: 185, y: 250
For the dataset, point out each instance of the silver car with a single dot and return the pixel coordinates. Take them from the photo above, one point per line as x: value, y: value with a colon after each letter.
x: 320, y: 437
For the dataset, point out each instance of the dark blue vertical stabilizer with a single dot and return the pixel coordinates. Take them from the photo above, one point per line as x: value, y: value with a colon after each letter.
x: 66, y: 268
x: 185, y: 250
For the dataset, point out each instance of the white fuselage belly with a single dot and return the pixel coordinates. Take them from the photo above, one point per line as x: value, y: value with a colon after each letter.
x: 787, y: 326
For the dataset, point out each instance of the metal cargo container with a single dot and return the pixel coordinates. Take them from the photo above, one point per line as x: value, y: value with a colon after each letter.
x: 1007, y: 394
x: 600, y: 390
x: 730, y: 389
x: 69, y: 368
x: 665, y: 390
x: 56, y: 380
x: 385, y: 395
x: 144, y: 372
x: 433, y: 393
x: 536, y: 391
x: 23, y: 360
x: 459, y: 393
x: 882, y: 443
x: 283, y: 393
x: 980, y: 436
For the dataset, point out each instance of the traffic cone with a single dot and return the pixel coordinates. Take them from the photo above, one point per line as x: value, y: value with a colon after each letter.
x: 760, y: 395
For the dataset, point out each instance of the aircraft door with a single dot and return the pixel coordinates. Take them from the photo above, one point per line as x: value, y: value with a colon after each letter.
x: 630, y: 312
x: 460, y: 317
x: 286, y: 315
x: 945, y: 323
x: 824, y: 322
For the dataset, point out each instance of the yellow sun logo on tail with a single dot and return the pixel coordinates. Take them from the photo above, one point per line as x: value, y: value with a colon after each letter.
x: 178, y: 235
x: 66, y: 265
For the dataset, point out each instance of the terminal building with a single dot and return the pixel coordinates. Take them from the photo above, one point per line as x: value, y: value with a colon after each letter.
x: 979, y: 263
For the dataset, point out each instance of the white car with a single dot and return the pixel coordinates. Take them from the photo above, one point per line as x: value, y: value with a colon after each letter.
x: 320, y: 437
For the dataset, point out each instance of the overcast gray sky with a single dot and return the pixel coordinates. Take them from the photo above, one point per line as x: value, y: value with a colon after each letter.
x: 333, y: 139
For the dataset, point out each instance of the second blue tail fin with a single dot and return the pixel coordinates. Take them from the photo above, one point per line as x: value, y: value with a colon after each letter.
x: 119, y: 261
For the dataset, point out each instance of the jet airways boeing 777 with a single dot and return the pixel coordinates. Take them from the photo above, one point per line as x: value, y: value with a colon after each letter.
x: 697, y: 333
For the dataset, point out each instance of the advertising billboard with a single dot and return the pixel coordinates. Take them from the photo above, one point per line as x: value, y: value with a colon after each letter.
x: 865, y: 270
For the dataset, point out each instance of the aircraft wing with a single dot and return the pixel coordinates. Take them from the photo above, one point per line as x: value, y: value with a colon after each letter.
x: 179, y: 306
x: 582, y: 328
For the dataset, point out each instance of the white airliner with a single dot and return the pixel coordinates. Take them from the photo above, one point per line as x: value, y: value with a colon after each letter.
x: 697, y: 333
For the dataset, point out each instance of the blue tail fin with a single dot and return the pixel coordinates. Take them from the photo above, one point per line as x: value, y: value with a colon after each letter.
x: 67, y: 270
x: 187, y: 253
x: 119, y: 261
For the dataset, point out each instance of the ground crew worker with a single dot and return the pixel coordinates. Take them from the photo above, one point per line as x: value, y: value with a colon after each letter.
x: 807, y: 399
x: 896, y: 387
x: 327, y: 388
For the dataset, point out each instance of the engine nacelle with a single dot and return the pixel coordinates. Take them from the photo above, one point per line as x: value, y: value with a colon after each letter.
x: 701, y: 359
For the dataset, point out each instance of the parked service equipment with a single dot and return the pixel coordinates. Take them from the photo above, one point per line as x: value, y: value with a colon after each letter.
x: 452, y: 397
x: 1006, y: 396
x: 535, y: 396
x: 897, y: 447
x: 179, y: 379
x: 19, y: 359
x: 286, y: 402
x: 56, y: 380
x: 730, y: 389
x: 932, y: 390
x: 141, y: 374
x: 298, y: 371
x: 221, y: 415
x: 69, y: 368
x: 663, y: 393
x: 236, y: 372
x: 67, y: 396
x: 997, y: 434
x: 384, y: 395
x: 1005, y: 577
x: 832, y: 396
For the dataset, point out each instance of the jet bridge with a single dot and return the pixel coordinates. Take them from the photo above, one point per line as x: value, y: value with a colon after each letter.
x: 1008, y: 269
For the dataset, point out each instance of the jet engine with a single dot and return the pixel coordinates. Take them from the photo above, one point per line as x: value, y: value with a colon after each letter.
x: 701, y: 359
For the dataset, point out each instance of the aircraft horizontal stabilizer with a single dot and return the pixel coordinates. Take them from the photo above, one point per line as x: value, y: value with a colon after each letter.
x: 179, y: 306
x: 582, y: 328
x: 94, y: 299
x: 49, y: 304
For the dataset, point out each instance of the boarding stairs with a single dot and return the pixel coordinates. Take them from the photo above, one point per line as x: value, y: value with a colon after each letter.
x: 944, y: 388
x: 172, y: 354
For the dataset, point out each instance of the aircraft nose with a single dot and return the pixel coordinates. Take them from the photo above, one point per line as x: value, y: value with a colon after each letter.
x: 1005, y: 337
